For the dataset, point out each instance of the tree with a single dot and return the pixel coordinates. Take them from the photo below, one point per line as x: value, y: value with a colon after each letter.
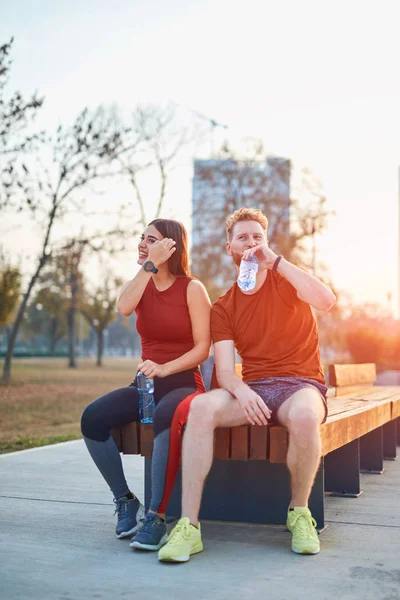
x: 80, y: 155
x: 10, y: 286
x: 249, y: 180
x: 69, y: 265
x: 371, y: 334
x: 43, y: 325
x: 98, y: 308
x: 16, y: 115
x: 359, y: 333
x: 51, y: 303
x: 153, y: 141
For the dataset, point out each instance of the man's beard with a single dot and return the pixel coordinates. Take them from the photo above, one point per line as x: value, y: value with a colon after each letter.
x: 237, y: 258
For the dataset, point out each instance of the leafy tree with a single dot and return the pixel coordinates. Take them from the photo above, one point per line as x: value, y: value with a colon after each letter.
x: 80, y: 155
x: 153, y: 141
x: 99, y: 309
x: 16, y: 116
x: 360, y: 333
x: 10, y: 286
x: 51, y: 304
x: 370, y: 334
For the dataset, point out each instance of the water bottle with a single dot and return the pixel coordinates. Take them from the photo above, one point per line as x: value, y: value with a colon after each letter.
x: 247, y: 274
x: 146, y: 397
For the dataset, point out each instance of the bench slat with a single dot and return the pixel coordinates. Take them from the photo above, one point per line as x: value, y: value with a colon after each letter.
x: 258, y: 443
x: 116, y: 435
x: 378, y: 393
x: 340, y: 375
x: 340, y: 406
x: 340, y: 430
x: 240, y: 443
x: 130, y: 438
x: 396, y: 409
x: 278, y: 444
x: 222, y: 443
x: 146, y: 439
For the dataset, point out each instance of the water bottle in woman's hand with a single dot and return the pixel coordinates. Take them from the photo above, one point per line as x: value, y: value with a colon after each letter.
x: 247, y: 274
x: 145, y: 387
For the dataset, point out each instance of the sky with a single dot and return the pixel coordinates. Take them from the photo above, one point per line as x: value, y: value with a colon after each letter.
x: 317, y: 82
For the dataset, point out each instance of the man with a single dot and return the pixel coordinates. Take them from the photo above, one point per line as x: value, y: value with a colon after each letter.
x: 274, y: 331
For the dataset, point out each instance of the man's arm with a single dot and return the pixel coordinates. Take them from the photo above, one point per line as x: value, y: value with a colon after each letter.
x: 309, y: 289
x: 254, y: 408
x: 224, y: 358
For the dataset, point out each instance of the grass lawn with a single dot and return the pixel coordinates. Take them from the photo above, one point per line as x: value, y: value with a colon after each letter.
x: 44, y: 401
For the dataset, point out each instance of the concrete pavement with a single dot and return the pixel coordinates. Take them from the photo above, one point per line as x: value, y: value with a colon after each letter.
x: 57, y: 542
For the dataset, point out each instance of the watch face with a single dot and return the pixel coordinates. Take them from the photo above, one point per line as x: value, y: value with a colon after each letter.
x: 148, y: 266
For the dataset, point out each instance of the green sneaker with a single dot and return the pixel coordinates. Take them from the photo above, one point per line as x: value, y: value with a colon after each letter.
x: 303, y: 527
x: 184, y: 540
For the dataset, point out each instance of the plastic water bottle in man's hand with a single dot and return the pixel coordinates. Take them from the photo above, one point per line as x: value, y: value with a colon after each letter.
x: 247, y: 274
x: 147, y: 405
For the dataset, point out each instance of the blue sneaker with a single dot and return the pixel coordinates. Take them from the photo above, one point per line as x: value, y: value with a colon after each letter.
x: 152, y: 534
x: 129, y: 513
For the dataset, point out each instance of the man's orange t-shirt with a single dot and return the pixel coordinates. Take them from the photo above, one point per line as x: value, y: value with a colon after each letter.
x: 274, y: 332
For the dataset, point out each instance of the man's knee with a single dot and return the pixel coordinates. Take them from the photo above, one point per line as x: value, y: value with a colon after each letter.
x: 203, y: 410
x: 306, y: 414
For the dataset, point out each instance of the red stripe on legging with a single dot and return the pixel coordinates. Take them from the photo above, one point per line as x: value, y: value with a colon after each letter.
x: 198, y: 379
x: 174, y: 455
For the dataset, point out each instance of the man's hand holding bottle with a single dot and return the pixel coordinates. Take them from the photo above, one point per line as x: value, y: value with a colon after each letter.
x: 264, y: 255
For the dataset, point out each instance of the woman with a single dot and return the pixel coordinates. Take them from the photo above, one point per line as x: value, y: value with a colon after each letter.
x: 173, y: 321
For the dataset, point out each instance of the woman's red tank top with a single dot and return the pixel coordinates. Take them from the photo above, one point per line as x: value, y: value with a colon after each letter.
x: 163, y: 322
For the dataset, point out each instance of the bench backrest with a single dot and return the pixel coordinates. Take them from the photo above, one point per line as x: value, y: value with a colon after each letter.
x: 340, y: 376
x: 350, y: 378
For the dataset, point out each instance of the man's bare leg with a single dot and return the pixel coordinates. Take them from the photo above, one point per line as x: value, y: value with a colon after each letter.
x: 207, y: 412
x: 302, y: 415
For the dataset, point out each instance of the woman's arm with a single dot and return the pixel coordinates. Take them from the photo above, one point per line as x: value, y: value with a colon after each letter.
x: 200, y: 313
x: 132, y: 291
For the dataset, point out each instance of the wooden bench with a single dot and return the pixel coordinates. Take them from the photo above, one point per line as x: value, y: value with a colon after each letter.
x: 249, y: 480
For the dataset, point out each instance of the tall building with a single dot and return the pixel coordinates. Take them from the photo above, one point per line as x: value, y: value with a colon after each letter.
x: 219, y: 188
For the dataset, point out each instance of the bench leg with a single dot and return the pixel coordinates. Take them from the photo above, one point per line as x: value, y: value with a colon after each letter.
x: 371, y: 451
x: 316, y: 501
x: 389, y: 440
x: 247, y: 492
x: 398, y: 430
x: 342, y: 471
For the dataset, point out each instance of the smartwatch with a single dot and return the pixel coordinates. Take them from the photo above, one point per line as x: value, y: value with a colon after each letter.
x: 150, y: 267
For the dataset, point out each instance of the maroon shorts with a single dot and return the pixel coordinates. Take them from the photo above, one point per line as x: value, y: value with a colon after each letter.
x: 275, y: 390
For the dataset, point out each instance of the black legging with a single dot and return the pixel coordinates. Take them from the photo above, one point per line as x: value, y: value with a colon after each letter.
x: 121, y: 406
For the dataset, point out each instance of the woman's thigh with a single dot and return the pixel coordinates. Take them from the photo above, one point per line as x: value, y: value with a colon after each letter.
x: 166, y: 407
x: 114, y: 409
